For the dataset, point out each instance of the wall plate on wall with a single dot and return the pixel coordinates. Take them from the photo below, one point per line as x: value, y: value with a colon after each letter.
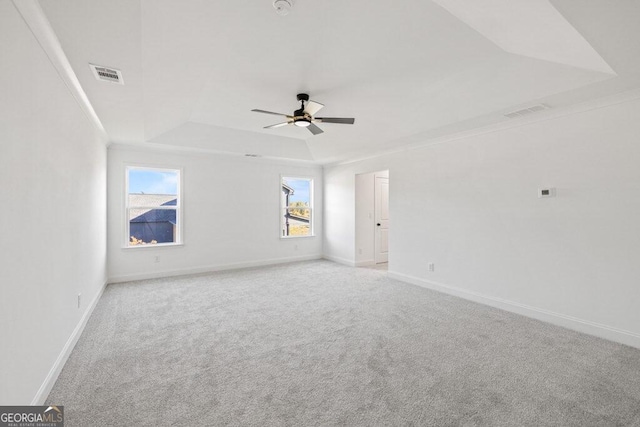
x: 107, y: 74
x: 546, y: 192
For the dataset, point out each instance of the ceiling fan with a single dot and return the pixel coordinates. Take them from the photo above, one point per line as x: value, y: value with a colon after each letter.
x: 304, y: 117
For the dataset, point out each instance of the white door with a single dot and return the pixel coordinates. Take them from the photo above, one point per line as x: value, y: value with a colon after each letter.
x: 382, y: 219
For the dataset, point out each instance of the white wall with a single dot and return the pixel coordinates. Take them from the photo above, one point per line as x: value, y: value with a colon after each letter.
x: 231, y: 213
x: 470, y: 206
x: 53, y: 219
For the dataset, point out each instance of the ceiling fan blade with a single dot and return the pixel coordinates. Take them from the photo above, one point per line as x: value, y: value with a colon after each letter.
x: 312, y: 107
x: 277, y: 125
x: 271, y: 112
x: 341, y: 120
x: 314, y: 129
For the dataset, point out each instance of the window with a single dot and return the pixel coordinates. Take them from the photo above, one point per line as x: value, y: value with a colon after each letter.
x: 152, y: 206
x: 297, y: 207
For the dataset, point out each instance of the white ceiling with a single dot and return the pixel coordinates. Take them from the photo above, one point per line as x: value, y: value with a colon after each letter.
x: 408, y: 71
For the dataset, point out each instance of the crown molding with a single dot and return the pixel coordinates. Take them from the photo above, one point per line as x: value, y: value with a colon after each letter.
x: 34, y: 17
x: 552, y: 114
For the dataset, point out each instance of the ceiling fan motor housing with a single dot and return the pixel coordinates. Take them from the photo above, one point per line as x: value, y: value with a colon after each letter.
x: 302, y: 97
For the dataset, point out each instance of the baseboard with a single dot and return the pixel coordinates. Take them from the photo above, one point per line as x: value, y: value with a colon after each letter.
x: 585, y: 326
x: 339, y: 260
x: 365, y: 263
x: 52, y: 376
x: 210, y: 268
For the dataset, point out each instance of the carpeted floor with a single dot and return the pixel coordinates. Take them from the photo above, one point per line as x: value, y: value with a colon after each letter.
x: 317, y: 343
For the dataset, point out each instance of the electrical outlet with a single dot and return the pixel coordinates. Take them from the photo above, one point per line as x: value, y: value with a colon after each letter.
x: 360, y: 251
x: 79, y: 300
x: 431, y: 266
x: 156, y: 259
x: 295, y: 247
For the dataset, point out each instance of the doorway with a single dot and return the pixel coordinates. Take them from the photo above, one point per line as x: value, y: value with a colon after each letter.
x: 372, y: 208
x: 381, y: 238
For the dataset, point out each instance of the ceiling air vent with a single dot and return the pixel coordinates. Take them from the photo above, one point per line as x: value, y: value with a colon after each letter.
x: 107, y: 74
x: 527, y: 111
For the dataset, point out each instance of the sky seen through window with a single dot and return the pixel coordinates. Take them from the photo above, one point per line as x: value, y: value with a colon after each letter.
x: 152, y: 182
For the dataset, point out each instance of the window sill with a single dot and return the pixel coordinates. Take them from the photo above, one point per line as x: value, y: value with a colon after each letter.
x: 295, y: 237
x: 156, y: 246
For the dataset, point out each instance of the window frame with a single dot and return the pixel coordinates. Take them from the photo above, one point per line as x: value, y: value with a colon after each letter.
x: 282, y: 206
x: 178, y: 206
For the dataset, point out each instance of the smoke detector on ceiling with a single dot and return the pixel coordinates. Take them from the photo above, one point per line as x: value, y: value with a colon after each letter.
x: 107, y: 74
x: 283, y: 7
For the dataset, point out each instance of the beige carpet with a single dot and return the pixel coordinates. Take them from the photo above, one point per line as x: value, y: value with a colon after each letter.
x: 316, y: 343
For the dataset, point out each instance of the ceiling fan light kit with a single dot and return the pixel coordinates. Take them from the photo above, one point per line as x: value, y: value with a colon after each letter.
x: 304, y: 116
